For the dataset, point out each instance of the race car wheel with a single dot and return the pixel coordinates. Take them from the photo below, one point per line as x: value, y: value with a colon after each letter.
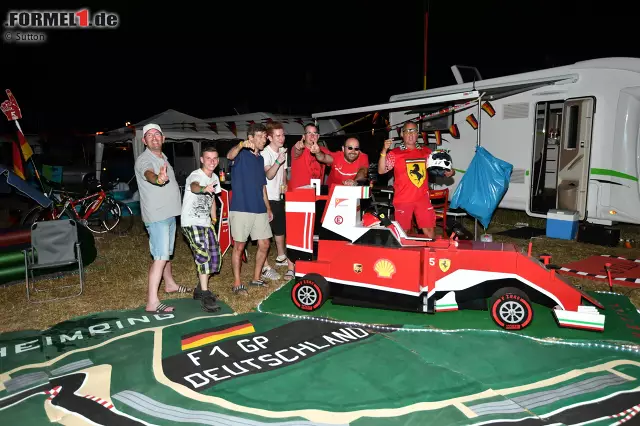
x: 511, y: 309
x: 310, y: 292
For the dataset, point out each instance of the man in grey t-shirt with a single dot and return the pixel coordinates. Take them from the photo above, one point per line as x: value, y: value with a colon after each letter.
x: 159, y: 204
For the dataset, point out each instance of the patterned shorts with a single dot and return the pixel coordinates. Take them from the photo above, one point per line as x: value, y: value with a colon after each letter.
x: 205, y: 248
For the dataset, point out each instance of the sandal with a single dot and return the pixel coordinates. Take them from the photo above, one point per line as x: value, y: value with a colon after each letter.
x: 240, y: 290
x: 162, y: 309
x: 289, y: 275
x: 258, y: 283
x: 282, y: 261
x: 181, y: 289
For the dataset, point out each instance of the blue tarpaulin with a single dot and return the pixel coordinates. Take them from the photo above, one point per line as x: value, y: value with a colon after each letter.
x: 10, y: 179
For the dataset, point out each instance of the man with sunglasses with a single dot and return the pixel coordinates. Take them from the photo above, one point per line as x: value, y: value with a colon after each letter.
x: 348, y: 166
x: 410, y: 180
x: 304, y: 164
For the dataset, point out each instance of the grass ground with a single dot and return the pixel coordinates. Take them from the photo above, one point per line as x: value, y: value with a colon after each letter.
x: 117, y: 279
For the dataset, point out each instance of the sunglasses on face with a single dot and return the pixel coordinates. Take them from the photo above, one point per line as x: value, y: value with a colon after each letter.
x: 353, y: 148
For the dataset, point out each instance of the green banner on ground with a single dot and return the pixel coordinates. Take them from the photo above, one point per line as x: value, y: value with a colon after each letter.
x: 132, y: 367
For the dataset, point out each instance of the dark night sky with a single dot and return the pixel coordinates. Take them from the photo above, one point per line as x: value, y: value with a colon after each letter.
x: 204, y: 59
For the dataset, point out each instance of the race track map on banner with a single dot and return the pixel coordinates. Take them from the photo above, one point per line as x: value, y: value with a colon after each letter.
x: 267, y: 368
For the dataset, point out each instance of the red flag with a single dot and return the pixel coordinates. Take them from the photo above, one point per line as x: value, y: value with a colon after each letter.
x: 232, y: 127
x: 18, y: 167
x: 375, y: 117
x: 11, y: 108
x: 27, y: 152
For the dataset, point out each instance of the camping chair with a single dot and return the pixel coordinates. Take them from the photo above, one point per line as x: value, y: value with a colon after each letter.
x: 54, y: 244
x: 440, y: 202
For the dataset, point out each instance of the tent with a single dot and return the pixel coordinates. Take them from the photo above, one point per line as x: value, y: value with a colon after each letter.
x: 293, y: 124
x: 176, y: 126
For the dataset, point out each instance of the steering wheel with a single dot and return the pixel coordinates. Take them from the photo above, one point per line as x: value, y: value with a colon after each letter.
x: 384, y: 220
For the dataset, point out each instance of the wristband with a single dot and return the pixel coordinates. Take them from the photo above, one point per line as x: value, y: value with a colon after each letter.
x: 158, y: 182
x: 202, y: 189
x: 240, y: 144
x: 383, y: 155
x: 277, y: 162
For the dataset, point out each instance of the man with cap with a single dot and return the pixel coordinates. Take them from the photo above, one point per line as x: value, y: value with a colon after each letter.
x: 159, y: 205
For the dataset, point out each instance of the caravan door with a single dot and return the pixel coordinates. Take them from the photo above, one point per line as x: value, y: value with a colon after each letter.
x: 575, y: 154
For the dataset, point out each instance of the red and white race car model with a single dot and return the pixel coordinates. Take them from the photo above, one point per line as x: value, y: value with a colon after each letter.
x: 371, y: 261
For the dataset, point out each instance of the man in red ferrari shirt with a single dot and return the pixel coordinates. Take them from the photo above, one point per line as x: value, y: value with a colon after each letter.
x: 347, y: 166
x: 410, y: 180
x: 304, y: 164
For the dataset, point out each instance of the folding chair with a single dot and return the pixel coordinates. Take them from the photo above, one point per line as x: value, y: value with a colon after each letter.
x: 54, y: 243
x: 440, y: 202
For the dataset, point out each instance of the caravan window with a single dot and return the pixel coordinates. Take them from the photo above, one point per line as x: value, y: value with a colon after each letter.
x: 572, y: 135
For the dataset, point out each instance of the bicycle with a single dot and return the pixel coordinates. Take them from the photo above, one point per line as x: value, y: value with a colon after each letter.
x: 97, y: 211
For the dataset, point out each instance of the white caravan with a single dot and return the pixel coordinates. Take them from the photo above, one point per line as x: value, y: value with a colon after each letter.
x: 571, y: 134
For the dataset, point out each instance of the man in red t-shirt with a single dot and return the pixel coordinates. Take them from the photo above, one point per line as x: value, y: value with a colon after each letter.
x: 347, y: 166
x: 304, y: 164
x: 410, y: 180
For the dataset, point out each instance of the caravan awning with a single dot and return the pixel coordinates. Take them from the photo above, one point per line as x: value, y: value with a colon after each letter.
x: 435, y: 98
x: 454, y: 97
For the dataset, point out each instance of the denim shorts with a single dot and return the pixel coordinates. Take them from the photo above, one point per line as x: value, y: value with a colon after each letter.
x: 162, y: 238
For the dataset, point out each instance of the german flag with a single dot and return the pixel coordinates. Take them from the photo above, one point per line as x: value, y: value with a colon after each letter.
x: 438, y: 137
x: 425, y: 138
x: 488, y: 108
x: 18, y: 167
x: 375, y: 118
x: 24, y: 146
x: 454, y: 132
x: 471, y: 119
x: 212, y: 335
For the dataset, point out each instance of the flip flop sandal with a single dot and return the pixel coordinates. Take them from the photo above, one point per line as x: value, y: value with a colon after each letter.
x: 240, y: 290
x: 162, y: 309
x: 181, y: 289
x: 258, y: 283
x: 289, y: 275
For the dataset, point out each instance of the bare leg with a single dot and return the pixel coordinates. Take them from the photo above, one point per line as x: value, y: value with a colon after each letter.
x: 155, y: 275
x: 261, y: 256
x: 429, y: 232
x: 236, y: 261
x: 282, y: 250
x: 204, y: 281
x: 169, y: 282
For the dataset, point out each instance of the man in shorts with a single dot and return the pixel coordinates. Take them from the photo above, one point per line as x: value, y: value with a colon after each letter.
x: 410, y: 180
x: 198, y: 220
x: 159, y: 205
x: 249, y: 211
x: 275, y: 167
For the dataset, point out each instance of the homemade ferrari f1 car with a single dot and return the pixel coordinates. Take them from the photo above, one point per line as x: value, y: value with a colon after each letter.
x: 361, y: 258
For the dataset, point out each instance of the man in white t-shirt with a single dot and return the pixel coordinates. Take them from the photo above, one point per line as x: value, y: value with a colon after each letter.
x: 198, y: 220
x: 275, y: 167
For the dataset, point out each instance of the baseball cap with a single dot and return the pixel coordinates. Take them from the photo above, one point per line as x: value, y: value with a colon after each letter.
x: 150, y: 126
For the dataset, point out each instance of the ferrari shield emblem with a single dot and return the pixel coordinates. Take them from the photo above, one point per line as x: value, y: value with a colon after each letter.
x: 357, y: 268
x: 417, y: 171
x: 444, y: 264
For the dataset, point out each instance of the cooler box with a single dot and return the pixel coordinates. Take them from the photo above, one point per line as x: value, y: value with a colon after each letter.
x: 562, y: 224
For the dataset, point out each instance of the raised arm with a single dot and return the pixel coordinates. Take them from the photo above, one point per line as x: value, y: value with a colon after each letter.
x: 382, y: 161
x: 322, y: 157
x: 233, y: 152
x: 272, y: 170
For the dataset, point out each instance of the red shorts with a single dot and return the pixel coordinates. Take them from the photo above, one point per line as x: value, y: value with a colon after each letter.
x: 425, y: 214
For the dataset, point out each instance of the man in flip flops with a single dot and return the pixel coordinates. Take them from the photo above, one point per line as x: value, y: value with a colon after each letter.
x: 159, y: 205
x: 198, y: 220
x: 275, y: 167
x: 249, y: 211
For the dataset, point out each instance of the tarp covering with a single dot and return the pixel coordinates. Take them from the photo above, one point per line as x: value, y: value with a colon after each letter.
x: 8, y: 178
x: 132, y: 367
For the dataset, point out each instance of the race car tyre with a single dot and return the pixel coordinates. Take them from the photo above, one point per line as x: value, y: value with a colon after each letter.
x: 310, y: 292
x: 511, y: 309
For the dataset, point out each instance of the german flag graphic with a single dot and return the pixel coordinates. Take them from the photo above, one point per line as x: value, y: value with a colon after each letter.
x: 215, y: 334
x: 488, y: 108
x: 438, y: 137
x: 471, y: 119
x: 232, y: 127
x: 454, y: 132
x: 425, y: 138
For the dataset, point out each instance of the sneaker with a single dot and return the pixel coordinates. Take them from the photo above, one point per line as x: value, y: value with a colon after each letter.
x: 209, y: 302
x: 270, y: 274
x: 282, y: 261
x: 198, y: 293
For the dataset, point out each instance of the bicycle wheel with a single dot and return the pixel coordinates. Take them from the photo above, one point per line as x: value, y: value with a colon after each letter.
x: 125, y: 223
x: 34, y: 215
x: 105, y: 218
